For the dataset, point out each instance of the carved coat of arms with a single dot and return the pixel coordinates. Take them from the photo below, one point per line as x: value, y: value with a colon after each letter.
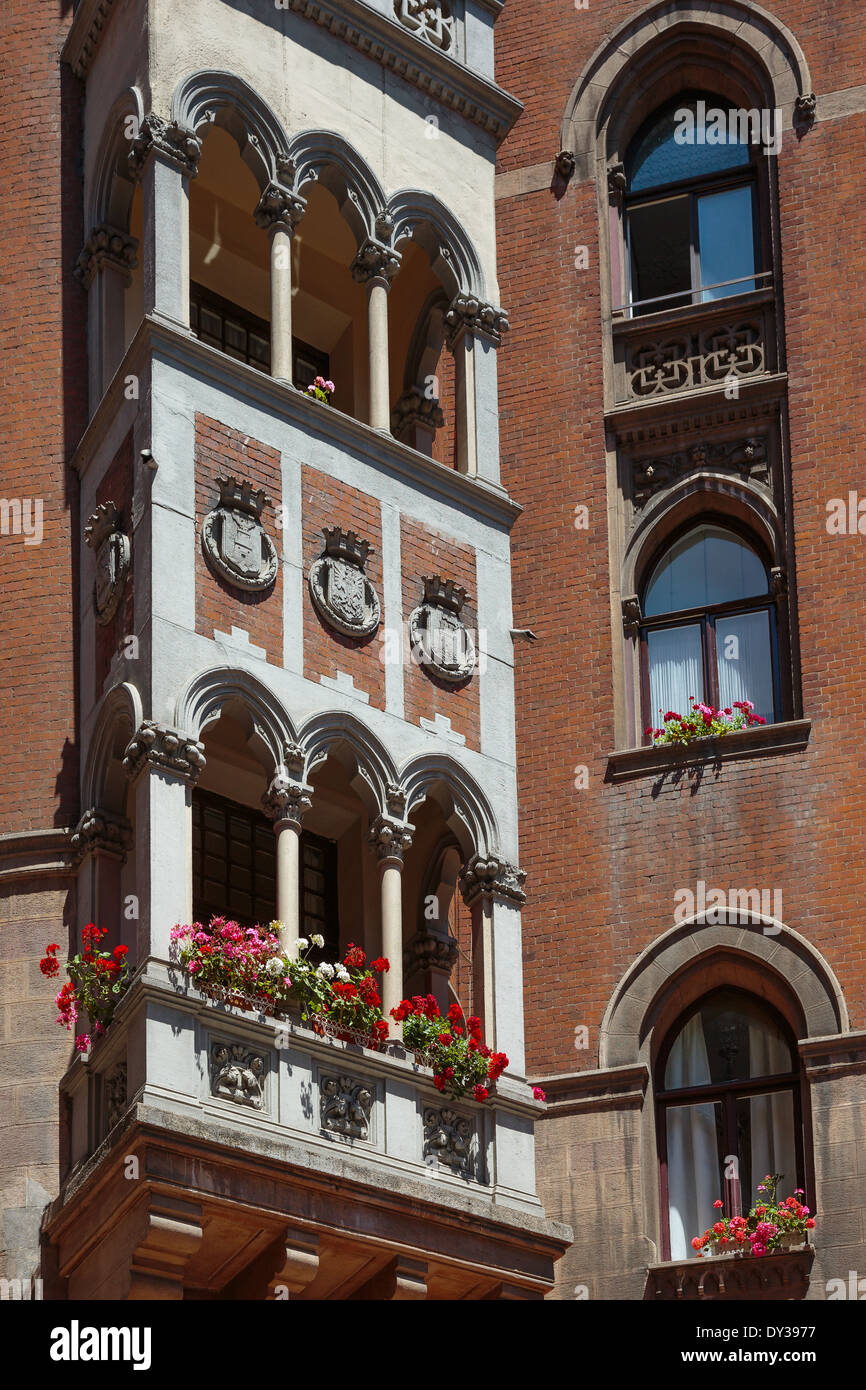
x: 440, y: 642
x: 234, y: 540
x: 340, y: 590
x: 104, y: 536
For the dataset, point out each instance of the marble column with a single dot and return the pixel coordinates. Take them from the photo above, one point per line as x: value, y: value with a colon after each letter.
x: 391, y: 837
x: 279, y: 211
x: 375, y: 267
x: 286, y: 802
x: 164, y: 157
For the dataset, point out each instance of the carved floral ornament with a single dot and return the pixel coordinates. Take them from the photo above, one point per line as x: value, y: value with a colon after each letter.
x: 440, y: 642
x: 430, y: 20
x: 468, y: 314
x: 489, y: 876
x: 744, y: 458
x: 341, y: 592
x: 448, y: 1138
x: 345, y: 1106
x: 164, y: 749
x: 106, y: 245
x: 171, y: 141
x: 104, y: 536
x: 234, y: 540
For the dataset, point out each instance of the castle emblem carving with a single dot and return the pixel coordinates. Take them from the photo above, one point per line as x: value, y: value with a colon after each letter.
x: 234, y: 540
x: 340, y: 590
x: 440, y: 642
x: 105, y: 538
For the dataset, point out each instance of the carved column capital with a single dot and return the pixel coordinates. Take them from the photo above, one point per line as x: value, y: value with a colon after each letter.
x: 491, y: 878
x: 468, y: 314
x: 164, y: 749
x: 101, y: 831
x: 390, y: 838
x: 430, y: 950
x: 174, y: 143
x: 414, y: 411
x: 286, y: 800
x: 375, y: 261
x: 278, y: 207
x: 106, y: 245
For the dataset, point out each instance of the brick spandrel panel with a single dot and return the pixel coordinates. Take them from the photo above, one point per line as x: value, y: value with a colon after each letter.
x: 424, y: 551
x: 219, y: 452
x: 43, y: 386
x: 791, y: 822
x: 117, y: 487
x: 327, y: 502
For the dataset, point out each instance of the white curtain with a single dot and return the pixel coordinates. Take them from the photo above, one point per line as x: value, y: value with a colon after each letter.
x: 674, y: 670
x: 771, y: 1118
x: 745, y: 668
x: 694, y: 1179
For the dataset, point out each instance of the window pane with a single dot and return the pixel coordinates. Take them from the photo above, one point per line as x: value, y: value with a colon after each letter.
x: 745, y: 661
x: 731, y: 1038
x: 695, y: 1160
x: 675, y: 670
x: 660, y: 241
x: 766, y: 1143
x: 726, y: 240
x: 705, y: 566
x: 657, y: 156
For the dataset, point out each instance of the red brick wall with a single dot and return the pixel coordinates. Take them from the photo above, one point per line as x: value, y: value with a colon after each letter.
x: 445, y: 442
x: 43, y: 384
x: 220, y: 452
x: 117, y: 487
x: 427, y: 552
x: 327, y: 502
x: 789, y: 822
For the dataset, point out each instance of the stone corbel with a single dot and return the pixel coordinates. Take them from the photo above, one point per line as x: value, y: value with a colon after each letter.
x: 174, y: 143
x: 172, y: 1234
x: 617, y: 183
x: 297, y: 1263
x: 106, y: 246
x: 467, y: 314
x: 103, y: 832
x: 493, y: 878
x: 401, y: 1278
x: 164, y: 749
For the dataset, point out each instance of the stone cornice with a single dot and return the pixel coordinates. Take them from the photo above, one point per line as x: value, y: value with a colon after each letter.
x: 612, y: 1088
x: 37, y: 854
x: 476, y: 498
x: 696, y: 409
x: 379, y: 38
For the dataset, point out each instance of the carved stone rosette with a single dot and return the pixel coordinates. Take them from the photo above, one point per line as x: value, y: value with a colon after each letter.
x: 165, y: 749
x: 102, y: 831
x: 492, y: 877
x: 345, y: 1106
x: 234, y: 540
x: 104, y: 536
x: 286, y: 799
x: 106, y: 245
x: 390, y: 838
x: 342, y: 593
x: 439, y: 640
x: 171, y: 141
x: 238, y: 1074
x: 448, y: 1139
x: 466, y: 314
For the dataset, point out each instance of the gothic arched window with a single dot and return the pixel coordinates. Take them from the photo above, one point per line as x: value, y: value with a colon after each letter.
x: 691, y: 210
x: 709, y: 627
x: 728, y: 1097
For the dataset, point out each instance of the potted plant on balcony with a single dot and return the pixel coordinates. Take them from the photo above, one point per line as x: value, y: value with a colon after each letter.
x: 97, y: 982
x: 772, y: 1225
x: 321, y: 390
x: 452, y: 1046
x: 705, y: 721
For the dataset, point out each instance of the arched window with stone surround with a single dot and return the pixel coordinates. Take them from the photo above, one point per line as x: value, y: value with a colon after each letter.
x: 709, y: 629
x: 728, y: 1112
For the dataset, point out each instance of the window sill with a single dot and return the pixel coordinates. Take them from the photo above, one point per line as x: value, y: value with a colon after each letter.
x: 774, y: 1278
x: 654, y: 761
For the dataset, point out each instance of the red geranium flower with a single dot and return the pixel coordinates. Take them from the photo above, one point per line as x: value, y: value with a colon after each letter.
x: 381, y: 965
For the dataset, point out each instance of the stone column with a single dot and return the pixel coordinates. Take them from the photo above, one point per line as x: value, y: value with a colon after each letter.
x: 103, y: 268
x: 493, y: 890
x: 375, y: 266
x: 474, y: 333
x: 163, y: 765
x: 279, y: 211
x: 101, y: 842
x: 391, y: 837
x: 164, y: 156
x: 286, y: 802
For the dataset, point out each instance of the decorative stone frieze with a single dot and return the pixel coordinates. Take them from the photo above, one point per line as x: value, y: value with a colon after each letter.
x: 286, y: 799
x: 172, y: 142
x: 104, y: 536
x: 415, y: 411
x: 101, y: 831
x: 448, y: 1140
x: 106, y: 245
x: 430, y: 20
x: 114, y: 1092
x: 340, y: 590
x: 706, y: 356
x: 440, y: 642
x: 467, y: 314
x: 492, y: 877
x: 164, y: 749
x: 234, y: 540
x: 746, y: 458
x: 238, y: 1074
x: 390, y: 838
x: 375, y: 261
x: 278, y: 207
x: 345, y: 1106
x: 631, y: 615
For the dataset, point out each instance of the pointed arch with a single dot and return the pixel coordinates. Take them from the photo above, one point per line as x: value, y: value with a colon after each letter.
x: 104, y: 784
x: 322, y: 156
x: 336, y: 733
x: 109, y: 199
x: 424, y: 219
x: 210, y: 97
x: 467, y: 810
x: 219, y: 688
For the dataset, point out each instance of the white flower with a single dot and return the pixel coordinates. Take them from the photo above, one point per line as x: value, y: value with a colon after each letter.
x: 317, y: 940
x: 276, y: 966
x: 342, y: 974
x: 326, y: 971
x: 303, y: 943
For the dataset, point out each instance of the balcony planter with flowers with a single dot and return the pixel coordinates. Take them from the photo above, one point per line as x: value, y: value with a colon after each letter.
x: 704, y: 721
x: 321, y: 390
x: 97, y: 982
x: 771, y: 1227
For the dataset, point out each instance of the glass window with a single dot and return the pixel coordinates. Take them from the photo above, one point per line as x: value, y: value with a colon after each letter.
x: 673, y: 146
x: 707, y: 565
